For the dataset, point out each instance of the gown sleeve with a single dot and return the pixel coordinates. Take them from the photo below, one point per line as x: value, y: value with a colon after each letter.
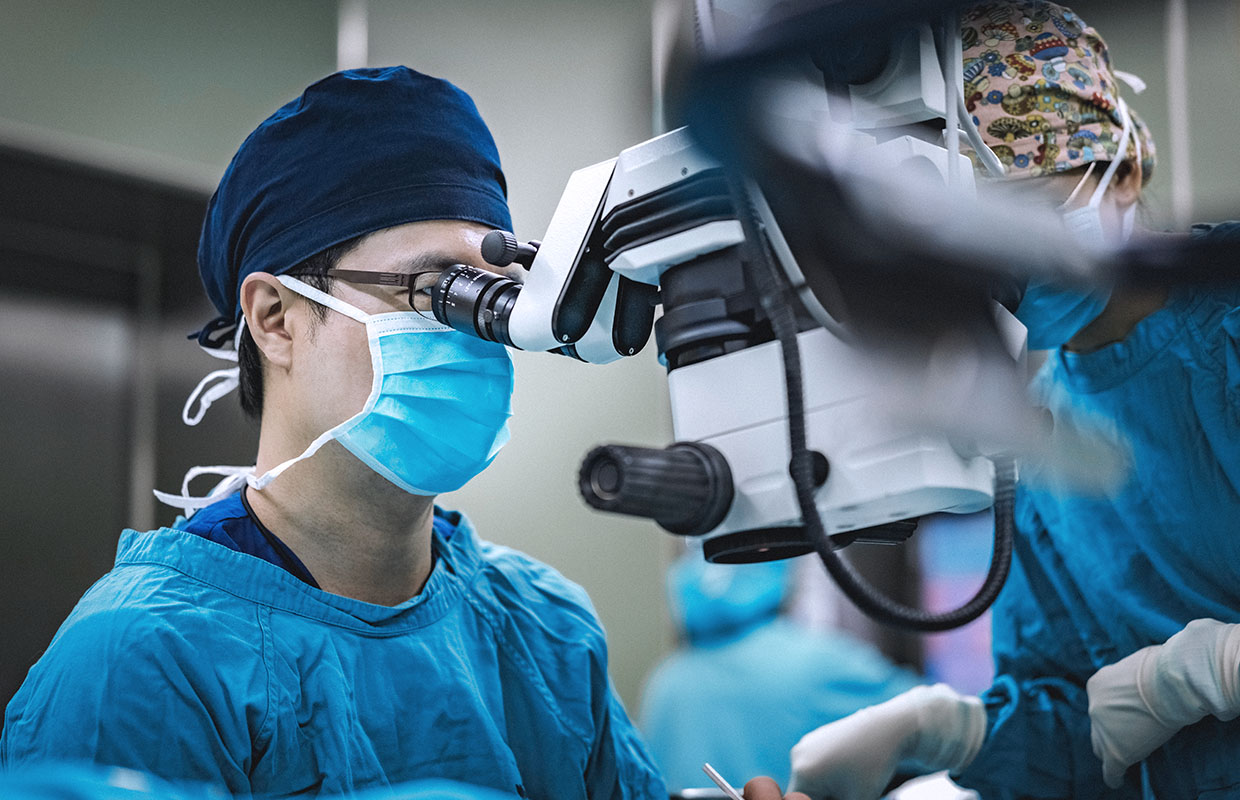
x: 620, y: 766
x: 561, y: 631
x: 127, y: 687
x: 79, y: 782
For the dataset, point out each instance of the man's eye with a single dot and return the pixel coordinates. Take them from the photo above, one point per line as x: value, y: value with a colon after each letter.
x: 424, y: 281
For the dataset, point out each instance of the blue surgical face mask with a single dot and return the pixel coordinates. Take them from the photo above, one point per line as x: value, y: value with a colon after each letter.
x: 1054, y: 314
x: 439, y: 404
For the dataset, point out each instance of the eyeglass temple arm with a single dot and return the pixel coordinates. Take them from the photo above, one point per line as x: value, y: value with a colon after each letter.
x: 404, y: 279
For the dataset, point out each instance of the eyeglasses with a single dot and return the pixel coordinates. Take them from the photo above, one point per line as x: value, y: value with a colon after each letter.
x: 406, y: 280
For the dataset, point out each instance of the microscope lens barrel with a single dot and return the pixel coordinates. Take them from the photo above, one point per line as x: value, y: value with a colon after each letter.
x: 476, y: 302
x: 686, y: 488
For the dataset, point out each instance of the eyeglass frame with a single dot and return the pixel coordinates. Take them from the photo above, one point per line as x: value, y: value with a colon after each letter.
x: 404, y: 280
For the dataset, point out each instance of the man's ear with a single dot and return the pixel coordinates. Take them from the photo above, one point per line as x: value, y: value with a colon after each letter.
x: 1126, y: 186
x: 266, y: 303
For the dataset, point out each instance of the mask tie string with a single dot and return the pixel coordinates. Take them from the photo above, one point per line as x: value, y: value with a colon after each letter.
x: 216, y: 384
x: 233, y: 479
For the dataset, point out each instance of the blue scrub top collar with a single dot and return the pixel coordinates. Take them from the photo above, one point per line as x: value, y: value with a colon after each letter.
x: 1107, y: 367
x: 457, y: 559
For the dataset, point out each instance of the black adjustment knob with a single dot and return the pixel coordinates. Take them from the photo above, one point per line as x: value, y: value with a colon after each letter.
x: 686, y: 488
x: 501, y: 248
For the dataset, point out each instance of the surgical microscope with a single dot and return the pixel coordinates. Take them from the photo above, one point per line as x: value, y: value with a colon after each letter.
x: 840, y: 362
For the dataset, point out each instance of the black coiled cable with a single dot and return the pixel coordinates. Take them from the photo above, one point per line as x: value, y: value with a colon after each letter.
x: 870, y: 600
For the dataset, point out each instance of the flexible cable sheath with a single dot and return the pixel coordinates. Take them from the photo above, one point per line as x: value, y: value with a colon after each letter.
x: 871, y: 601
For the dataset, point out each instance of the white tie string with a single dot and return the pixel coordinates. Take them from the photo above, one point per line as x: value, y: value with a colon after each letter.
x: 215, y: 385
x: 234, y: 478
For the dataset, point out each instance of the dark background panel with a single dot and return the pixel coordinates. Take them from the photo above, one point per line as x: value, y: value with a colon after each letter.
x: 98, y: 285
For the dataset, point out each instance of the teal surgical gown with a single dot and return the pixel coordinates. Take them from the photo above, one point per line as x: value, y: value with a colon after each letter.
x: 79, y: 782
x: 195, y: 662
x: 1096, y: 578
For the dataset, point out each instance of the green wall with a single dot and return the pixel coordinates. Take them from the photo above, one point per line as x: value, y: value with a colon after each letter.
x: 1135, y: 34
x: 181, y: 81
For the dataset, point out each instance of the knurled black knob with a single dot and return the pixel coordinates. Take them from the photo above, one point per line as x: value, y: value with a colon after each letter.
x: 499, y: 248
x: 686, y: 488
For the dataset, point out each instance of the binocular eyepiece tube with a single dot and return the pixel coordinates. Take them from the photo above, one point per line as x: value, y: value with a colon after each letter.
x: 475, y: 301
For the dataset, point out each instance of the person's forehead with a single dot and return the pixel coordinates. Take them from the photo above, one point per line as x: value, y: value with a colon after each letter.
x: 1047, y: 187
x: 417, y: 247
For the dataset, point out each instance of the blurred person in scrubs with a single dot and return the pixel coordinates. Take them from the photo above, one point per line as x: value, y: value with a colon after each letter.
x: 746, y: 682
x: 316, y: 624
x: 1116, y: 641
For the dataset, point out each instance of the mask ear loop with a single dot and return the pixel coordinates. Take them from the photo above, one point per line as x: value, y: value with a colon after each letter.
x: 219, y: 383
x: 1130, y: 216
x: 1121, y: 153
x: 1079, y: 186
x: 222, y: 382
x: 323, y: 298
x: 258, y: 483
x: 237, y: 476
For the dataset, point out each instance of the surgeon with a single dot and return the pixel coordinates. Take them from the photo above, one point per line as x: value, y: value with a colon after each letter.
x: 1116, y: 639
x: 746, y: 682
x: 319, y: 625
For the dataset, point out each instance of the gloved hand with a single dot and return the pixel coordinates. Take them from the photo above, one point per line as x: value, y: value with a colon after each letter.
x: 1139, y: 702
x: 856, y: 757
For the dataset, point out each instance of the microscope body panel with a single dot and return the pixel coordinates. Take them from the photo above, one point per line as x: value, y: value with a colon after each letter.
x: 880, y: 472
x: 531, y: 325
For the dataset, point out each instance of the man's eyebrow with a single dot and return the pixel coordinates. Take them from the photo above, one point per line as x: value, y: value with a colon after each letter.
x: 430, y: 261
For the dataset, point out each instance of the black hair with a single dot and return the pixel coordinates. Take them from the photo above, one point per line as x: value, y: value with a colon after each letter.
x: 312, y: 271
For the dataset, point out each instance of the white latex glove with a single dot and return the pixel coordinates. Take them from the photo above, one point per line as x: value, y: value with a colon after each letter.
x: 1139, y: 702
x: 856, y: 757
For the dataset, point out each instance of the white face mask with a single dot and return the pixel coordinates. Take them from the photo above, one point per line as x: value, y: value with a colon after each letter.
x: 1085, y: 223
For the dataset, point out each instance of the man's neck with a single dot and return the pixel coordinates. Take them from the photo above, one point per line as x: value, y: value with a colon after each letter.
x: 359, y: 535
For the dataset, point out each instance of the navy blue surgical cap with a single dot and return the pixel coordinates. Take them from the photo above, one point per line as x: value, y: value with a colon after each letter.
x: 359, y: 151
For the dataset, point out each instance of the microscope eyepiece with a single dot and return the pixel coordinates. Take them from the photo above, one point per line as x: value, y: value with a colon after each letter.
x: 475, y: 301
